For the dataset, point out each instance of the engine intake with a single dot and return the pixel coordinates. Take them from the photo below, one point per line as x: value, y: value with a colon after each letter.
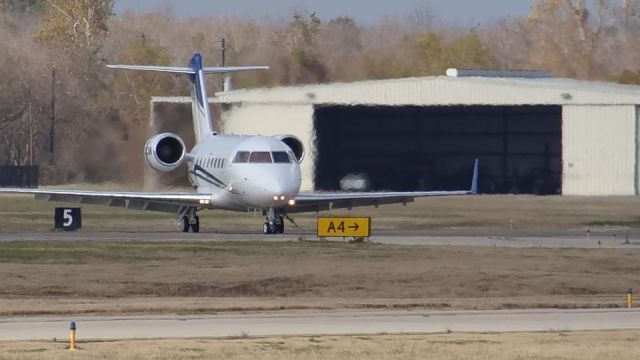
x: 164, y: 152
x: 294, y: 144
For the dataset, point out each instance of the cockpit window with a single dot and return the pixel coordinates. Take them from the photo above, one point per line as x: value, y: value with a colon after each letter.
x: 280, y: 157
x: 241, y: 157
x: 260, y: 157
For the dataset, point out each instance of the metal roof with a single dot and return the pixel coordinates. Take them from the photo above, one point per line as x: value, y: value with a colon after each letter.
x: 443, y: 90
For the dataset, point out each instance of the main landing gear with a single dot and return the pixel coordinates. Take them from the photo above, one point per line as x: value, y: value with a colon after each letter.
x: 190, y: 221
x: 274, y: 223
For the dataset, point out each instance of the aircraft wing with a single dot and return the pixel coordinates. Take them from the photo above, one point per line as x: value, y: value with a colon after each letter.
x: 162, y: 202
x: 315, y: 202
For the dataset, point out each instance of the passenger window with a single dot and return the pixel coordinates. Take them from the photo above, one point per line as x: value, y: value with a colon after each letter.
x: 241, y: 157
x: 280, y: 157
x: 260, y: 157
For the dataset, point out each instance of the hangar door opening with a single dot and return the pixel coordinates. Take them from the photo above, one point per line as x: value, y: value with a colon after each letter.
x: 411, y: 148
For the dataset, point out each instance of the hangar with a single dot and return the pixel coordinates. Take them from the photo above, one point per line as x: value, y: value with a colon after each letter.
x: 533, y: 135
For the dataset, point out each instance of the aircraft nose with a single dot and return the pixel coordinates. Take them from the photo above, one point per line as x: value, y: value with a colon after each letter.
x: 276, y: 189
x: 279, y: 188
x: 268, y: 186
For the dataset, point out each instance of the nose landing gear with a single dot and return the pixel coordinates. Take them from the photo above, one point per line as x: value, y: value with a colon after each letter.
x: 274, y: 223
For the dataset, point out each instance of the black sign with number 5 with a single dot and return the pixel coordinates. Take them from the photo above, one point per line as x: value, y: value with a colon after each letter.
x: 68, y: 219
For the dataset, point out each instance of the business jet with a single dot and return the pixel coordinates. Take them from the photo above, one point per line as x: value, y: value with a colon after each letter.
x: 231, y: 172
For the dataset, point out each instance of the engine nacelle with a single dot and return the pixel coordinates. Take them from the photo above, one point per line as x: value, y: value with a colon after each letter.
x: 294, y: 144
x: 164, y: 152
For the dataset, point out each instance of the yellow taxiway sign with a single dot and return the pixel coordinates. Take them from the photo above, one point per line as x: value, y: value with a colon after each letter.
x: 344, y: 227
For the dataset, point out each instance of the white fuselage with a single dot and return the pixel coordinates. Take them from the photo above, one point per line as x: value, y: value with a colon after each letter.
x: 244, y: 172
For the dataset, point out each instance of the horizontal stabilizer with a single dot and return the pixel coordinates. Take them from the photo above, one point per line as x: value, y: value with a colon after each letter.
x: 187, y: 70
x: 167, y: 69
x: 232, y: 69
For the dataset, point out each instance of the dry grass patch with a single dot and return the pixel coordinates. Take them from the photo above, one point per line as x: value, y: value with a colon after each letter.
x: 552, y: 345
x: 345, y: 275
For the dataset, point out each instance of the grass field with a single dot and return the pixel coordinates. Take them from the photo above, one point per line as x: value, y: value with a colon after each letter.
x: 22, y: 213
x: 205, y: 277
x: 551, y: 345
x: 93, y: 277
x: 138, y: 277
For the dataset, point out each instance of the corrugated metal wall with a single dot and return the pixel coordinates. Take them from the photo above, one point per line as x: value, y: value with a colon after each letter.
x: 599, y: 147
x: 275, y: 119
x: 434, y: 91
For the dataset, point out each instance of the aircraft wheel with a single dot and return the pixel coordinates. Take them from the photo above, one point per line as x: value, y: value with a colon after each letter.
x: 280, y: 227
x: 185, y: 224
x: 196, y: 227
x: 266, y: 229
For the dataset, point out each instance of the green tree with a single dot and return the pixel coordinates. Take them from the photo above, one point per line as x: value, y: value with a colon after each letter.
x: 303, y: 34
x: 432, y: 54
x: 435, y: 56
x: 468, y: 52
x: 628, y: 77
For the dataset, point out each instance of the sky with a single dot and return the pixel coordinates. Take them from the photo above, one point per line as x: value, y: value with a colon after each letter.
x: 363, y: 11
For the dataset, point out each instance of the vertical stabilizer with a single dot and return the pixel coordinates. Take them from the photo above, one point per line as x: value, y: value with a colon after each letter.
x: 202, y: 119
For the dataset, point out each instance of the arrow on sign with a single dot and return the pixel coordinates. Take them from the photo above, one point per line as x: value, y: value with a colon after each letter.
x: 343, y: 227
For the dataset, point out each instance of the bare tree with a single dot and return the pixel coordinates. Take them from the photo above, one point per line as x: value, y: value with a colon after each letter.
x: 567, y: 36
x: 77, y: 23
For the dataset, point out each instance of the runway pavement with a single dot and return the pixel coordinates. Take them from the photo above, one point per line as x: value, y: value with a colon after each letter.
x: 542, y: 239
x: 334, y: 323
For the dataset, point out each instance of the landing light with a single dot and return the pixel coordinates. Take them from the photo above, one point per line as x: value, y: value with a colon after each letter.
x: 204, y: 202
x: 275, y: 198
x: 282, y: 198
x: 292, y: 202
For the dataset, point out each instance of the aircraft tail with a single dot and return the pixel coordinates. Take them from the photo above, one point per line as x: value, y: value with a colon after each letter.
x: 202, y: 118
x: 474, y: 180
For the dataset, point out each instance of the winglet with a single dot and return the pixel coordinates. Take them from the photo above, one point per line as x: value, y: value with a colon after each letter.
x: 474, y: 182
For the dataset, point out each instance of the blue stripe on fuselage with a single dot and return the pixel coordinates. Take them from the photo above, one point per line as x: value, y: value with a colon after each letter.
x: 203, y: 174
x: 201, y: 177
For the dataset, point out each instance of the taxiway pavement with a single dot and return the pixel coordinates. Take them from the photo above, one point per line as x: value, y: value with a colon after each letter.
x: 562, y: 239
x: 322, y: 323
